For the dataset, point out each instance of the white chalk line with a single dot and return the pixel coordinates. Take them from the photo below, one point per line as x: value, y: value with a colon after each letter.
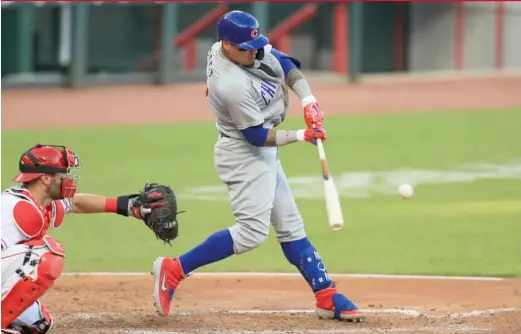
x: 437, y: 329
x: 406, y: 312
x: 266, y: 274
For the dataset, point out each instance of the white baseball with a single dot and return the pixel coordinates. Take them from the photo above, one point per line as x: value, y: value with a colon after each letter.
x: 406, y: 190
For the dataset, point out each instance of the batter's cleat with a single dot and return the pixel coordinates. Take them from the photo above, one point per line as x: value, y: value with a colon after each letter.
x: 167, y: 274
x: 332, y: 305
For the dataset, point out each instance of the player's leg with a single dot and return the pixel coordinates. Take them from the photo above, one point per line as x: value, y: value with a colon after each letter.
x: 251, y: 180
x: 299, y: 251
x: 35, y: 320
x: 28, y: 271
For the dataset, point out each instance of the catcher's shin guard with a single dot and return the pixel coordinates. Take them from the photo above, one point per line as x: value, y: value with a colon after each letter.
x: 28, y: 283
x: 35, y: 320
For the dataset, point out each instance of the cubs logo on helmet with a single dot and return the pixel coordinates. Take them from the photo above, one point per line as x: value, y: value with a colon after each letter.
x: 241, y: 29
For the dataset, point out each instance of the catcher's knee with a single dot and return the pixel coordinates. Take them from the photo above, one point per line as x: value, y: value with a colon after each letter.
x: 28, y: 283
x: 248, y: 234
x: 50, y: 268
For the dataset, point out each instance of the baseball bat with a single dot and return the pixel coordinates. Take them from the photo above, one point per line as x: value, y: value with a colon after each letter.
x: 333, y: 207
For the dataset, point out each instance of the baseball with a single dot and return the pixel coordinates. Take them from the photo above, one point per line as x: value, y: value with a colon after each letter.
x: 406, y: 190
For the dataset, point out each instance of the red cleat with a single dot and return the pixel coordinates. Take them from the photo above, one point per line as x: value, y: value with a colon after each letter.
x: 333, y: 305
x: 167, y: 274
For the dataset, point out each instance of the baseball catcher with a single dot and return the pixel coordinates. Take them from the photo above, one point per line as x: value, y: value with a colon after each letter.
x: 31, y: 260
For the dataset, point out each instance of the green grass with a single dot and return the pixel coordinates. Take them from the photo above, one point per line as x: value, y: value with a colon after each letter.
x: 467, y: 228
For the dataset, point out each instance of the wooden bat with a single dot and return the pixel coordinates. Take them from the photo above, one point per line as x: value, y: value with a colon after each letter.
x: 334, y: 210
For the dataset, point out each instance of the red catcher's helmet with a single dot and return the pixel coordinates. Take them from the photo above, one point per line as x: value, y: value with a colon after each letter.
x: 50, y: 159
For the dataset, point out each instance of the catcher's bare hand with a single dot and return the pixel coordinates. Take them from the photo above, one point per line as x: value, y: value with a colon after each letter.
x: 140, y: 212
x: 142, y: 204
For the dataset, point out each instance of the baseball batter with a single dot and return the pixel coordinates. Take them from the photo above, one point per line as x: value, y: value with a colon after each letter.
x: 31, y: 260
x: 247, y: 91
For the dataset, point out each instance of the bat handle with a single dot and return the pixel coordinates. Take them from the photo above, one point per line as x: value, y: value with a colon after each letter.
x: 323, y: 160
x: 321, y: 152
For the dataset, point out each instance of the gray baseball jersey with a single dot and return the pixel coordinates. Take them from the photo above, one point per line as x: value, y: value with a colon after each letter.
x: 241, y: 97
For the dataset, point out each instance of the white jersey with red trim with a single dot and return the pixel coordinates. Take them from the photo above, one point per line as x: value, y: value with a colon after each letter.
x: 23, y: 219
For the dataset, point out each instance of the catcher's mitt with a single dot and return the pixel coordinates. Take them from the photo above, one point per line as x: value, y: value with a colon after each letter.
x: 162, y: 218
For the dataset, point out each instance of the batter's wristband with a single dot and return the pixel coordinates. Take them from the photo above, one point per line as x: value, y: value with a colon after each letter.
x: 122, y: 206
x: 287, y: 137
x: 308, y: 100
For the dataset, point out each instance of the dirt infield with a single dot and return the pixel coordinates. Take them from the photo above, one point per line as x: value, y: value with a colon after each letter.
x: 53, y: 108
x: 123, y: 304
x: 230, y: 304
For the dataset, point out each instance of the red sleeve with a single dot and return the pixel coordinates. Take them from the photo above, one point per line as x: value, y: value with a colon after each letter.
x: 28, y: 218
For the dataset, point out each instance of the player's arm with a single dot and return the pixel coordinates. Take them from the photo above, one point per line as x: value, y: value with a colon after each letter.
x: 249, y: 120
x: 260, y: 136
x: 295, y: 79
x: 89, y: 203
x: 298, y: 83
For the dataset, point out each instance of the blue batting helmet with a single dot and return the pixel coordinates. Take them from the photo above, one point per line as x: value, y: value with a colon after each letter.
x: 241, y: 29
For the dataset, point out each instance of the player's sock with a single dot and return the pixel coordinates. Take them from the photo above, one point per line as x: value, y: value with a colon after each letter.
x: 303, y: 255
x: 217, y: 247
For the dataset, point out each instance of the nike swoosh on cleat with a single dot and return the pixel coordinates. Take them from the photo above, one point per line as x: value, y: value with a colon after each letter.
x: 163, y: 284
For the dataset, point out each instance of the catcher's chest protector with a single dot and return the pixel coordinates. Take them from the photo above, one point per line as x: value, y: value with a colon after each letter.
x: 23, y: 219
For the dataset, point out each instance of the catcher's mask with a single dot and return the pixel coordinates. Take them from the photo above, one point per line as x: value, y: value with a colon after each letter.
x: 50, y: 159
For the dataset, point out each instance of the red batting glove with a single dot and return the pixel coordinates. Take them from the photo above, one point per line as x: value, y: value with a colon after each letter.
x: 313, y: 115
x: 312, y: 134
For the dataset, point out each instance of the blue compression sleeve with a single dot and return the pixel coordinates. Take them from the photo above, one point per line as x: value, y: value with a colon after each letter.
x: 217, y: 247
x: 256, y: 135
x: 287, y: 62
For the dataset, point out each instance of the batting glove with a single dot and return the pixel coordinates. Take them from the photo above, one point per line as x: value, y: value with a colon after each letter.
x: 312, y: 134
x: 313, y: 115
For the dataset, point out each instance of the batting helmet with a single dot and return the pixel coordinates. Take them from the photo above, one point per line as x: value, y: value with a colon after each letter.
x: 241, y: 29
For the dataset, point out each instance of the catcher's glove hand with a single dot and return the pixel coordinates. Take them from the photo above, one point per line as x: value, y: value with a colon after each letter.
x: 159, y: 204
